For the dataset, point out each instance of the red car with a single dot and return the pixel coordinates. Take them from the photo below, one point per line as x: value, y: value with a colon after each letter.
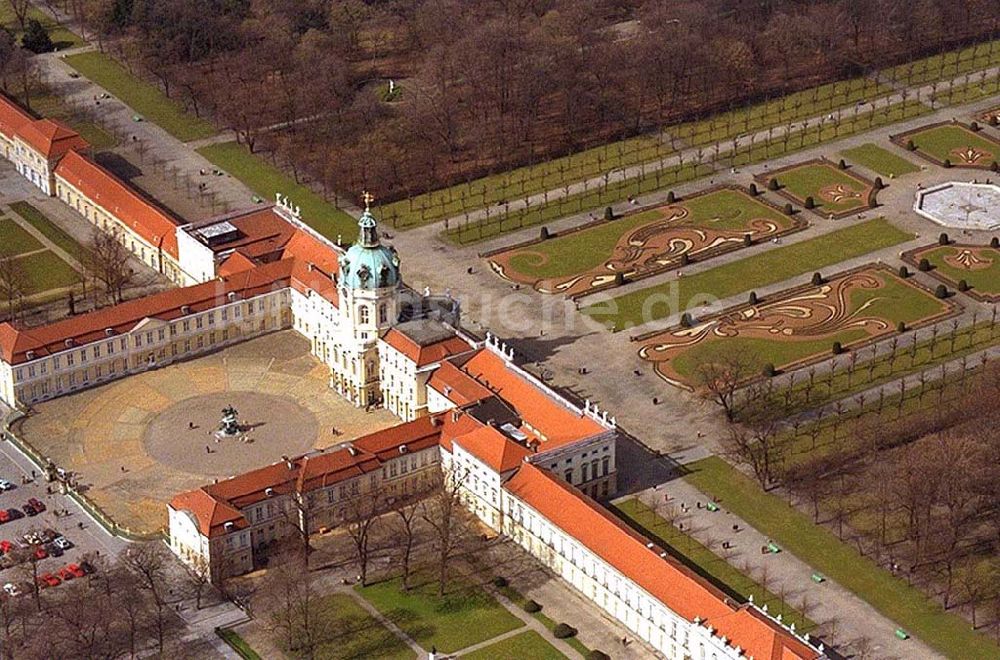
x: 41, y: 553
x: 37, y: 504
x: 6, y: 546
x: 75, y: 569
x: 66, y: 574
x: 4, y: 515
x: 48, y: 580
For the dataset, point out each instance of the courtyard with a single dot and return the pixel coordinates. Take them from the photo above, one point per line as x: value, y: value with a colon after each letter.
x: 644, y: 243
x: 136, y: 442
x: 974, y: 206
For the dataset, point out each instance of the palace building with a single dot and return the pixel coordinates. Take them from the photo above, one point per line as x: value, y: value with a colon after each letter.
x: 529, y: 463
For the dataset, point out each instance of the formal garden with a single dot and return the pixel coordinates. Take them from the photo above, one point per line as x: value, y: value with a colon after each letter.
x: 775, y: 265
x: 31, y: 273
x: 795, y: 327
x: 605, y: 253
x: 952, y: 144
x: 972, y: 269
x: 826, y: 188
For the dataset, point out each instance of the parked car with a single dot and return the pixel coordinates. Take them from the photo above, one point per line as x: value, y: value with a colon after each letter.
x: 15, y: 514
x: 48, y: 580
x: 48, y: 535
x: 66, y: 574
x: 29, y: 510
x: 6, y: 485
x: 53, y: 550
x: 32, y: 538
x: 76, y: 570
x: 6, y: 546
x: 86, y: 567
x: 12, y: 589
x: 41, y: 553
x: 38, y: 505
x: 61, y: 542
x: 4, y: 516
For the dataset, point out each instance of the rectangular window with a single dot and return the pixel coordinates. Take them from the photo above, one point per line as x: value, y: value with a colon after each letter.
x: 161, y: 334
x: 69, y: 359
x: 198, y: 322
x: 83, y: 355
x: 97, y: 351
x: 111, y: 348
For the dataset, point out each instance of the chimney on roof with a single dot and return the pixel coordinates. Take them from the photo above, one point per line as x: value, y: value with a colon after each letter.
x: 269, y: 491
x: 309, y: 265
x: 454, y: 415
x: 288, y: 463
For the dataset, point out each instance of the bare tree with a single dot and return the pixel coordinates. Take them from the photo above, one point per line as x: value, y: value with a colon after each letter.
x: 722, y: 378
x: 363, y: 513
x: 448, y: 518
x: 13, y: 284
x: 404, y: 526
x: 288, y: 599
x: 149, y: 563
x: 107, y: 261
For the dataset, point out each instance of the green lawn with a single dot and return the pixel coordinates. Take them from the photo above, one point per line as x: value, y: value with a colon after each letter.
x: 977, y: 88
x: 823, y: 551
x: 61, y: 37
x: 880, y: 160
x: 893, y: 302
x: 810, y: 179
x: 50, y: 105
x: 762, y: 270
x: 144, y: 98
x: 946, y: 142
x: 266, y: 180
x: 49, y: 229
x: 723, y: 210
x: 985, y: 280
x: 946, y: 65
x: 14, y: 240
x: 44, y: 271
x: 706, y: 563
x: 348, y: 632
x: 519, y: 647
x: 466, y: 615
x: 237, y: 643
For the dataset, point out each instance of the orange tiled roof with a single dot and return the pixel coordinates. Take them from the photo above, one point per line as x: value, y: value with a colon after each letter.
x: 457, y: 386
x: 210, y: 514
x: 558, y: 424
x: 429, y: 354
x: 664, y: 578
x: 12, y: 117
x: 493, y: 448
x: 105, y: 189
x: 235, y: 263
x: 52, y: 138
x: 166, y: 305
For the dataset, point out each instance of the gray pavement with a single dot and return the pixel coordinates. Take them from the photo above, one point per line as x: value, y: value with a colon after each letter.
x: 843, y: 618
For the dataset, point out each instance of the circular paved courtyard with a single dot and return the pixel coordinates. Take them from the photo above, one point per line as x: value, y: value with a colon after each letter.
x: 130, y: 442
x: 183, y: 436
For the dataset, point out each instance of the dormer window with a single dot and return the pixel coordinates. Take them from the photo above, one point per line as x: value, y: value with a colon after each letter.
x: 69, y: 342
x: 185, y: 309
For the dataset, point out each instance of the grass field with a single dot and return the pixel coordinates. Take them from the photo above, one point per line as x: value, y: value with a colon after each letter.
x: 755, y: 272
x: 977, y: 88
x: 946, y: 65
x: 465, y: 616
x: 955, y: 143
x: 349, y: 632
x: 60, y: 36
x: 144, y: 98
x: 951, y: 263
x: 524, y: 645
x: 879, y: 160
x: 832, y: 190
x: 949, y: 634
x: 44, y: 271
x: 794, y: 327
x: 707, y: 563
x: 14, y: 240
x: 644, y: 242
x: 266, y: 180
x: 237, y: 643
x: 50, y: 105
x: 49, y: 229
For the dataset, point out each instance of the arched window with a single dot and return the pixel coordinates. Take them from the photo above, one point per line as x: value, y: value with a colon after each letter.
x: 383, y: 314
x: 363, y: 314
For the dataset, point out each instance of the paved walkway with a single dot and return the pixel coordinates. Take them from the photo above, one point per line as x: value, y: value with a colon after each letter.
x: 843, y: 618
x: 396, y: 630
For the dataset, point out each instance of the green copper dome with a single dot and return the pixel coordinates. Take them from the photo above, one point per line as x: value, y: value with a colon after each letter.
x: 368, y: 264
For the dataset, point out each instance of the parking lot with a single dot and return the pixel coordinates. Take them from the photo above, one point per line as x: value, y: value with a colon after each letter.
x: 61, y: 517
